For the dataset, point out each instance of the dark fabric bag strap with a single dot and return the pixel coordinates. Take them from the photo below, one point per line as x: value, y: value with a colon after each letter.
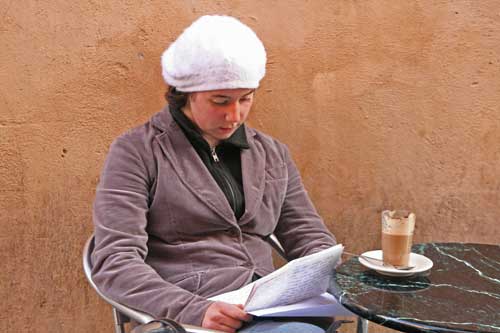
x: 336, y: 324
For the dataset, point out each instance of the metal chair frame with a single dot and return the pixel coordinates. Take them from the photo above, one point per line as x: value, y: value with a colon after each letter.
x: 123, y: 314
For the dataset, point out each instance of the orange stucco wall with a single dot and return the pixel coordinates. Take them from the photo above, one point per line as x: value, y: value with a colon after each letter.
x: 383, y: 103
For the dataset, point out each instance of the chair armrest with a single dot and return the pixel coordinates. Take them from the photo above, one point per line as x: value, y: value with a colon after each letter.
x: 136, y: 315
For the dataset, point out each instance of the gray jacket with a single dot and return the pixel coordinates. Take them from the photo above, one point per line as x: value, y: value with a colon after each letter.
x: 165, y: 235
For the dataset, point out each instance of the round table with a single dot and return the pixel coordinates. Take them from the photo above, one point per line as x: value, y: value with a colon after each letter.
x: 461, y: 293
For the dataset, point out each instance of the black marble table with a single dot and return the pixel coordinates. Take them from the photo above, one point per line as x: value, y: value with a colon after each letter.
x: 461, y: 293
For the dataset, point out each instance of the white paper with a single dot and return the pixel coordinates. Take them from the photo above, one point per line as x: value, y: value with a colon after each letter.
x: 300, y: 279
x: 296, y: 289
x: 238, y: 296
x: 324, y: 305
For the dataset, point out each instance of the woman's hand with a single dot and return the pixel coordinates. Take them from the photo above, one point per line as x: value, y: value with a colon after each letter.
x: 225, y: 317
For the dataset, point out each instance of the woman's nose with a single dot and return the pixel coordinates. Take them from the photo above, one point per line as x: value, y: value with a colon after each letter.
x: 233, y: 114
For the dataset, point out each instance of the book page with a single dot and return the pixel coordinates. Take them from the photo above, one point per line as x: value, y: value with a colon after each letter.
x: 300, y: 279
x: 324, y: 305
x: 239, y: 296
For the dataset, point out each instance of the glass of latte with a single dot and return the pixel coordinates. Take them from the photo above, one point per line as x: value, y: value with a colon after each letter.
x: 397, y: 235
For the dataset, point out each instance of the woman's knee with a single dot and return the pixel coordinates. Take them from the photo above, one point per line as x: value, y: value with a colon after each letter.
x: 270, y: 326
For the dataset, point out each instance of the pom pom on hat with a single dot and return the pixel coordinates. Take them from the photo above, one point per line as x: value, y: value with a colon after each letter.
x: 214, y: 52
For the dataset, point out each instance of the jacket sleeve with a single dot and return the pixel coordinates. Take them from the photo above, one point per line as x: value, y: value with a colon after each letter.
x: 300, y: 229
x: 120, y: 218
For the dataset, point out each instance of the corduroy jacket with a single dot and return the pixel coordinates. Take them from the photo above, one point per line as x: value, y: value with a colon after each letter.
x: 165, y: 235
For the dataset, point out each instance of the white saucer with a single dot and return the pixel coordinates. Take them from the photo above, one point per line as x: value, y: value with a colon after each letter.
x: 421, y: 263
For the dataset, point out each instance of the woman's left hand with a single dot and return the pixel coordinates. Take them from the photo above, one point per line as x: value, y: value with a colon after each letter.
x: 225, y: 317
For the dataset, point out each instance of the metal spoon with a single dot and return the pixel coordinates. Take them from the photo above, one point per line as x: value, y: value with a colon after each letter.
x: 380, y: 261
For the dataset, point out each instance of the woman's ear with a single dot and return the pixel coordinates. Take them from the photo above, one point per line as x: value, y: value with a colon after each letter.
x: 189, y: 98
x: 192, y: 96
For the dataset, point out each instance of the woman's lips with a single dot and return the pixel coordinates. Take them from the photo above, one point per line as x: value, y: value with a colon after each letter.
x: 226, y: 129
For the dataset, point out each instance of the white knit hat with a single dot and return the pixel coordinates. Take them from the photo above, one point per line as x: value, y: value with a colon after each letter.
x: 215, y: 52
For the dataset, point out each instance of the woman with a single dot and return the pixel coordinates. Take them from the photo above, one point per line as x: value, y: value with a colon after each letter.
x: 186, y: 201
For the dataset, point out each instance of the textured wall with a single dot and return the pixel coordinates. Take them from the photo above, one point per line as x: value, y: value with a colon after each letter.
x: 383, y: 104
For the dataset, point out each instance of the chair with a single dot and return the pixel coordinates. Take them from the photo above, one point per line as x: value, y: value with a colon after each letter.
x: 123, y: 314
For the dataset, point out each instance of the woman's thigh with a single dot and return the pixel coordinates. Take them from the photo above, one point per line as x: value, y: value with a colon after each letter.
x: 273, y: 326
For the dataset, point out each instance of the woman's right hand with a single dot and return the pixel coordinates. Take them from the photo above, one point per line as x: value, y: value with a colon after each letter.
x: 225, y: 317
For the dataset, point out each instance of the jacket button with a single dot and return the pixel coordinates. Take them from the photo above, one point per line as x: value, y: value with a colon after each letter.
x: 232, y: 232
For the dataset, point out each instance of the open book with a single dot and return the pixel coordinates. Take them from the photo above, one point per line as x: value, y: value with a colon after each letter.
x: 296, y: 289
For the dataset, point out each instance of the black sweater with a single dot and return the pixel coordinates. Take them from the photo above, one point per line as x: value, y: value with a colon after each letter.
x: 223, y: 161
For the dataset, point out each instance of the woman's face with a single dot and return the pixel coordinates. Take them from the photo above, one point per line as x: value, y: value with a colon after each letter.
x: 218, y: 113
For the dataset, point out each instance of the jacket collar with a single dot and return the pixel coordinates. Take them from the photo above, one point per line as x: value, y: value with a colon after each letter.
x: 238, y: 139
x: 191, y: 170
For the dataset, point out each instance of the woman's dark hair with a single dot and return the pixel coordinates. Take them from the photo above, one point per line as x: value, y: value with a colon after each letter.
x: 176, y: 99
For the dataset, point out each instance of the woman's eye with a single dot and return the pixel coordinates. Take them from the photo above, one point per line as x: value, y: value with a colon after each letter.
x: 220, y: 101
